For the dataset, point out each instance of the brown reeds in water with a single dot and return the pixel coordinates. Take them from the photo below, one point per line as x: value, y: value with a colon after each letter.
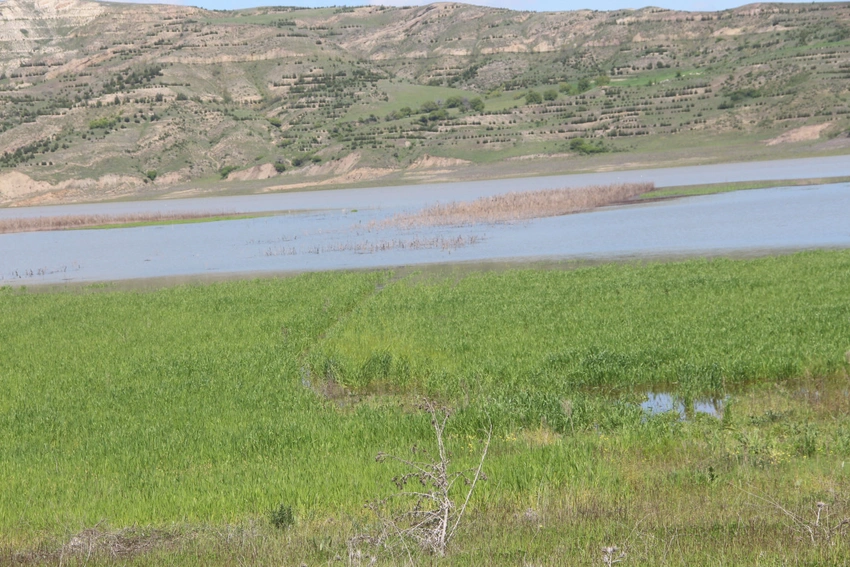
x: 370, y: 247
x: 68, y: 222
x: 519, y: 206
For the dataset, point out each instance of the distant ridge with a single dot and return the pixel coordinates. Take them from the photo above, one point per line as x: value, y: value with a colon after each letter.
x: 105, y: 100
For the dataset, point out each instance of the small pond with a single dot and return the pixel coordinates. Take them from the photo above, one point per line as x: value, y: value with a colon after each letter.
x: 663, y: 402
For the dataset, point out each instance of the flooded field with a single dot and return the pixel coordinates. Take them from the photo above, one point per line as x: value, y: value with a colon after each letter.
x: 337, y: 229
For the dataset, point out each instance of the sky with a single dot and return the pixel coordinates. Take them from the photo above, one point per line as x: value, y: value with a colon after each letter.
x: 536, y: 5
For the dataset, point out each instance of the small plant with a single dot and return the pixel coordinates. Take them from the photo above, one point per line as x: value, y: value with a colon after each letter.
x: 282, y: 517
x: 151, y: 174
x: 433, y: 518
x: 227, y: 170
x: 610, y: 555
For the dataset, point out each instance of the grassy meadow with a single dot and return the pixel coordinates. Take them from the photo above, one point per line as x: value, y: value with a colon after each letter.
x: 713, y: 188
x: 238, y: 422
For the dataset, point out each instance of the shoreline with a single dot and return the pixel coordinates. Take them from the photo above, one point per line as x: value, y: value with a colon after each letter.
x: 543, y: 263
x: 353, y: 195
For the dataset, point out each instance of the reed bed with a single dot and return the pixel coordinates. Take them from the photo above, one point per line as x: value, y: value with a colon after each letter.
x: 66, y: 222
x: 517, y: 206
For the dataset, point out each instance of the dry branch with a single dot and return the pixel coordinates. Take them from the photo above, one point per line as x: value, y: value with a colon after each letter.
x: 432, y: 519
x: 822, y: 528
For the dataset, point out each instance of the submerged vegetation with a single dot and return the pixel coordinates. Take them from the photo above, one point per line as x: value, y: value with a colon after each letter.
x: 239, y: 422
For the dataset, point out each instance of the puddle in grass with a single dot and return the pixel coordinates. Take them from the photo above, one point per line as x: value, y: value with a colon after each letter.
x: 662, y: 402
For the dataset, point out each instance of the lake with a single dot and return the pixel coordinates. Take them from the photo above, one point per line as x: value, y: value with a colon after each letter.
x: 328, y: 230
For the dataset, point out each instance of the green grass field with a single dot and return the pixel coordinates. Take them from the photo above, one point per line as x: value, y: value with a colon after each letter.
x: 165, y: 427
x: 712, y: 188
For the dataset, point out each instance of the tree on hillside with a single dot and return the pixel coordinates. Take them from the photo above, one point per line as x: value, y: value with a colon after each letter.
x: 476, y: 104
x: 533, y: 97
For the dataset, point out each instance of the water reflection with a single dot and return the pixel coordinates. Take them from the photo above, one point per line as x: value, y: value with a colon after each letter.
x: 662, y: 402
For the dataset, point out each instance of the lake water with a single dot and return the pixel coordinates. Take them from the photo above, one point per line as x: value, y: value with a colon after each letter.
x: 331, y: 231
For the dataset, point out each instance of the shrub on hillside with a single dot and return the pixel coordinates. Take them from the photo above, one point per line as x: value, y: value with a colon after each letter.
x: 227, y: 170
x: 533, y: 97
x: 586, y: 147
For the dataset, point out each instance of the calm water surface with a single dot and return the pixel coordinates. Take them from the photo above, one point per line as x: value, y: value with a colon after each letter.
x: 781, y: 218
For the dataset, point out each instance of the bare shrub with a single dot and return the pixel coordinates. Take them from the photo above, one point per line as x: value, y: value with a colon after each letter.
x: 518, y: 206
x: 427, y: 516
x: 822, y: 526
x: 612, y: 555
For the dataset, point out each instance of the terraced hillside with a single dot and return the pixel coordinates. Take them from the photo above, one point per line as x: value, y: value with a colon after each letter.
x: 101, y: 100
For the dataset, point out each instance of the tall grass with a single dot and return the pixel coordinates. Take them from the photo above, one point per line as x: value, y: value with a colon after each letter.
x: 182, y: 418
x: 529, y: 336
x: 180, y: 405
x: 518, y: 206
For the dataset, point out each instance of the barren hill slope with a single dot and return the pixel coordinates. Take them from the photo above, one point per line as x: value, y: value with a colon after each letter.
x: 103, y: 100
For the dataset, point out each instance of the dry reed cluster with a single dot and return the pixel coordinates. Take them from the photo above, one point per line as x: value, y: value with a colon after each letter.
x: 83, y: 221
x: 518, y: 206
x: 369, y: 247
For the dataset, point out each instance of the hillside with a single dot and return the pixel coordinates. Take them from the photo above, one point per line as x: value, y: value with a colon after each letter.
x: 103, y: 101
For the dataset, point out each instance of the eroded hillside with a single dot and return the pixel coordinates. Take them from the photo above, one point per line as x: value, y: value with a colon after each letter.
x: 102, y: 100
